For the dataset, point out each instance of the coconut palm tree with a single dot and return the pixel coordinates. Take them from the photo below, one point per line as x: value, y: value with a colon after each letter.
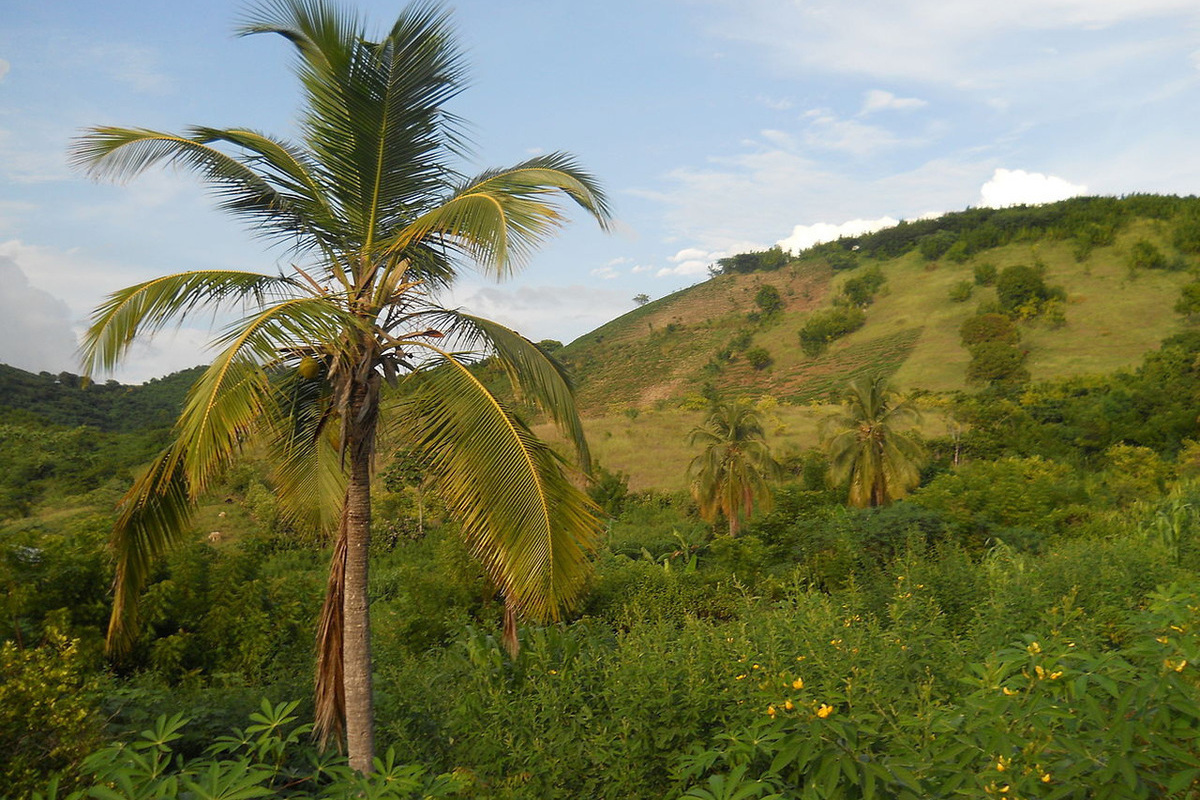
x: 377, y: 220
x: 867, y: 444
x: 734, y: 470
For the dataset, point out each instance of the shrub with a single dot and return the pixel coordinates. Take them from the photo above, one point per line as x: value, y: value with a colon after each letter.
x: 861, y: 289
x: 988, y: 328
x: 985, y: 274
x: 1019, y: 286
x: 997, y: 363
x: 768, y: 299
x: 759, y: 358
x: 271, y: 757
x: 824, y: 327
x: 49, y: 720
x: 961, y: 292
x: 1189, y: 299
x: 1145, y: 255
x: 933, y: 246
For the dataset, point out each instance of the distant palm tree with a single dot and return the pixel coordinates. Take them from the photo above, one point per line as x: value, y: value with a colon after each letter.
x: 868, y: 447
x: 734, y: 470
x: 378, y: 220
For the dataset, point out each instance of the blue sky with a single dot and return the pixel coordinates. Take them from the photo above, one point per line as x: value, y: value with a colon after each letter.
x: 716, y: 126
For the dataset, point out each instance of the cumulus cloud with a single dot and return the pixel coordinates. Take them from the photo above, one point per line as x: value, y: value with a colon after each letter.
x: 691, y: 261
x: 805, y: 236
x: 541, y: 312
x: 35, y: 326
x: 879, y: 100
x: 1018, y: 187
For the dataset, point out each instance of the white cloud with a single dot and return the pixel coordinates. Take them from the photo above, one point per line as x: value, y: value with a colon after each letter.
x: 879, y: 100
x: 640, y: 268
x: 35, y: 326
x: 541, y: 312
x: 775, y: 103
x: 693, y: 261
x: 1018, y: 187
x: 607, y: 273
x: 930, y: 40
x: 827, y: 132
x: 805, y: 236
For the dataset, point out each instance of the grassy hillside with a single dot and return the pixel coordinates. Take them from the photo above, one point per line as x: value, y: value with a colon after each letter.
x: 644, y: 376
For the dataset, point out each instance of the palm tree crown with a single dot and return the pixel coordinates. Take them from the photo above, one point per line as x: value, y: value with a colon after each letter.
x: 732, y: 472
x: 868, y: 446
x: 377, y: 219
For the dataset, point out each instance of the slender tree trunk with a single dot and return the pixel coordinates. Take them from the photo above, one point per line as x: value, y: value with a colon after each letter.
x: 356, y: 653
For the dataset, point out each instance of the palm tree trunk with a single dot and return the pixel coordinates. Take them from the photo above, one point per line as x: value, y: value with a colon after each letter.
x: 356, y: 653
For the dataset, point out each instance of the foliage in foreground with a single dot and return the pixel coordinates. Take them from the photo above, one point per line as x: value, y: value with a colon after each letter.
x: 1037, y: 719
x: 269, y: 758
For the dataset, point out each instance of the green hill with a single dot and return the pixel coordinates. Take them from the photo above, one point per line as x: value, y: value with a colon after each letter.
x: 675, y: 347
x: 1115, y: 268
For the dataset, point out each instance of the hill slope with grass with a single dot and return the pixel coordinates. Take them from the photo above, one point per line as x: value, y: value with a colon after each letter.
x: 791, y: 331
x: 1120, y: 264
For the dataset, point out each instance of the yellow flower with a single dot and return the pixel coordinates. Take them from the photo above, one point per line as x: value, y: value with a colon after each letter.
x: 1045, y: 777
x: 1177, y: 666
x: 740, y: 677
x: 1161, y: 639
x: 824, y: 711
x: 1034, y: 648
x: 1056, y: 675
x: 789, y: 705
x: 1008, y: 691
x: 1041, y: 673
x: 755, y: 666
x: 770, y: 711
x: 553, y: 672
x: 798, y: 683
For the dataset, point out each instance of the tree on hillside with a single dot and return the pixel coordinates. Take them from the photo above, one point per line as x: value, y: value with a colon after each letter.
x: 376, y: 220
x: 733, y: 472
x: 868, y: 446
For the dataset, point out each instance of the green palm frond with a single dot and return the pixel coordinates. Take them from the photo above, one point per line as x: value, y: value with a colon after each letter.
x: 231, y: 398
x: 307, y: 466
x: 529, y: 525
x: 535, y: 376
x: 269, y: 185
x: 152, y: 517
x: 146, y: 308
x: 375, y: 117
x: 502, y: 215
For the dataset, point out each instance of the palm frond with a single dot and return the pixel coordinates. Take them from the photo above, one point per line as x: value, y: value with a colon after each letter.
x: 307, y: 468
x: 328, y: 680
x: 375, y: 117
x: 153, y: 516
x: 146, y: 308
x: 232, y: 397
x: 534, y: 375
x: 279, y: 198
x: 498, y: 218
x: 529, y: 525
